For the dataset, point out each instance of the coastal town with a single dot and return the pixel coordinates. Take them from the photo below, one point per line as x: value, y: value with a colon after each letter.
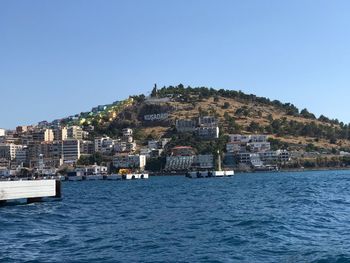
x: 109, y: 140
x: 49, y: 149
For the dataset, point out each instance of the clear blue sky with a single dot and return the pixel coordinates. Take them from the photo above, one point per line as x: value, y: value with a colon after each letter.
x: 59, y: 58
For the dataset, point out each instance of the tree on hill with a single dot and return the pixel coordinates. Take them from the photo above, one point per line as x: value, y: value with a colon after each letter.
x: 306, y: 114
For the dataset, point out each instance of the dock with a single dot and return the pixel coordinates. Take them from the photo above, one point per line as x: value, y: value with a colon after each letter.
x: 31, y: 190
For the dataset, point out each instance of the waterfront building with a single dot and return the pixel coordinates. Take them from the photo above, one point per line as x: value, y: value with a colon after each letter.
x: 94, y: 170
x: 203, y: 161
x: 179, y: 162
x: 129, y: 161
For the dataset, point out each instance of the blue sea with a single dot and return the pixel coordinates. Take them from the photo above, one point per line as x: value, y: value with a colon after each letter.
x: 267, y: 217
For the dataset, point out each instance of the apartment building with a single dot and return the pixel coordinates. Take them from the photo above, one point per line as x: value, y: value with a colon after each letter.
x: 76, y: 132
x: 43, y: 135
x: 9, y: 150
x: 71, y: 150
x: 60, y: 134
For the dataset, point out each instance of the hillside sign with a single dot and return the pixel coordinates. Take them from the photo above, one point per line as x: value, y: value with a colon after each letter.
x: 156, y: 117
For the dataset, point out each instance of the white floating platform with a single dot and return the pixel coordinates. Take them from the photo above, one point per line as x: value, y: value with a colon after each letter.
x: 135, y: 176
x: 209, y: 174
x: 31, y: 190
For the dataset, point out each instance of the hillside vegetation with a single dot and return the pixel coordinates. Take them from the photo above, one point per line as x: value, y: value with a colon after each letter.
x: 238, y: 112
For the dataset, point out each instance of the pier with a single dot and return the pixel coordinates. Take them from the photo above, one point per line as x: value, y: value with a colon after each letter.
x: 30, y: 190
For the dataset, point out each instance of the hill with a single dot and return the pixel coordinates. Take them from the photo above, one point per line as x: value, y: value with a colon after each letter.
x: 155, y: 117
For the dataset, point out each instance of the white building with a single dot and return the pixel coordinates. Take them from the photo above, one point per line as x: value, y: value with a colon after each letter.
x: 2, y: 132
x: 129, y: 161
x: 95, y: 170
x: 259, y: 146
x: 104, y: 144
x: 125, y: 147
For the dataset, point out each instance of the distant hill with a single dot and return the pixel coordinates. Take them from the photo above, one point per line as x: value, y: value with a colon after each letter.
x: 238, y: 112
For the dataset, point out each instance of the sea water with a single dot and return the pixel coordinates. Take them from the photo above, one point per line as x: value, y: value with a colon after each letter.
x: 267, y: 217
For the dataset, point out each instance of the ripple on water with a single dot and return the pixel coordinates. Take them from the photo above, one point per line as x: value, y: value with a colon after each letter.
x: 278, y: 217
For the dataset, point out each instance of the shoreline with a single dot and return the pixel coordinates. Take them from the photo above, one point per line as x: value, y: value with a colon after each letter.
x: 157, y: 174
